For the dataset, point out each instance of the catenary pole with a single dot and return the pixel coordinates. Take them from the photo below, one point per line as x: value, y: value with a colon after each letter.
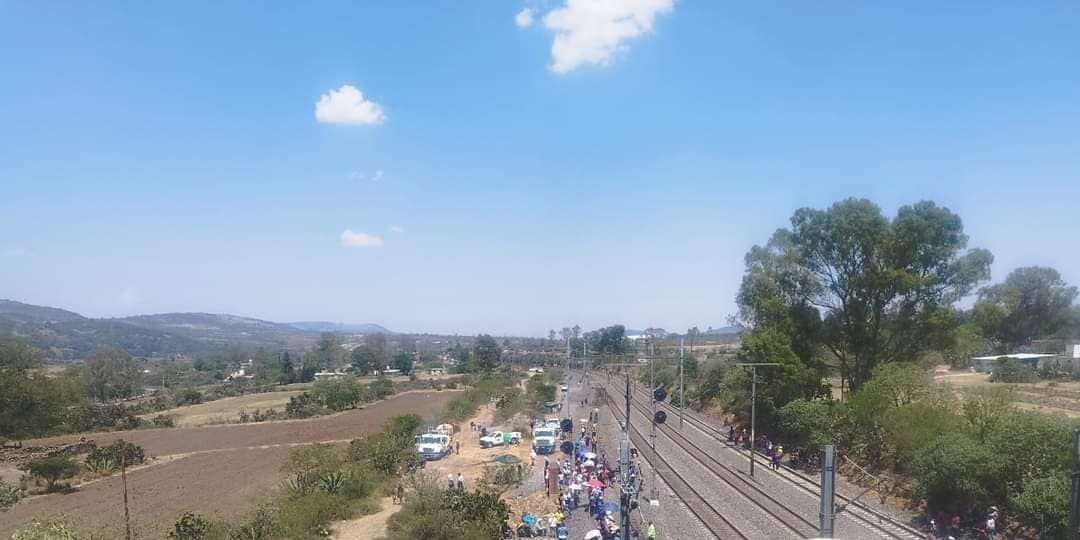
x: 753, y: 404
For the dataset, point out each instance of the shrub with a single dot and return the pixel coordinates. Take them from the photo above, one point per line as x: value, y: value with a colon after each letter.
x: 190, y: 526
x: 1011, y: 370
x: 302, y: 406
x: 311, y: 513
x: 1044, y: 505
x: 189, y: 396
x: 955, y: 473
x: 807, y: 424
x: 52, y: 469
x: 9, y: 495
x: 338, y: 394
x: 164, y: 420
x: 263, y: 524
x: 50, y: 530
x: 113, y: 457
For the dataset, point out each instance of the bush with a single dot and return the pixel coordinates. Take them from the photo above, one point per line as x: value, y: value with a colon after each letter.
x: 50, y: 530
x: 9, y: 495
x: 1011, y: 370
x: 807, y: 424
x: 52, y: 469
x: 955, y: 473
x: 311, y: 513
x: 111, y: 458
x: 337, y: 394
x: 190, y: 526
x: 164, y: 420
x: 189, y: 396
x: 1044, y: 505
x: 303, y: 406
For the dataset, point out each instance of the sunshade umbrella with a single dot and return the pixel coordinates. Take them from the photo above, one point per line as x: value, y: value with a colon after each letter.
x: 529, y: 519
x: 611, y: 507
x: 594, y: 483
x: 508, y: 459
x: 590, y: 455
x: 589, y: 463
x: 595, y: 533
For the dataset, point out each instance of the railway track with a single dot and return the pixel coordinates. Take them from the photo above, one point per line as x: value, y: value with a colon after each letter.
x: 885, y: 526
x: 706, y: 512
x: 779, y: 512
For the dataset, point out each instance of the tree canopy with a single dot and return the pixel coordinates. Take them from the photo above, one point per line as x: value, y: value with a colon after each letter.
x: 867, y: 288
x: 1032, y: 302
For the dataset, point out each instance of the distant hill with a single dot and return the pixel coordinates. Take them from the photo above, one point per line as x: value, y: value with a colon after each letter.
x: 66, y: 335
x: 325, y: 326
x: 18, y: 311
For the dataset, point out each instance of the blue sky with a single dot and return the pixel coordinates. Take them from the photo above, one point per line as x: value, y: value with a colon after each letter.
x: 609, y: 162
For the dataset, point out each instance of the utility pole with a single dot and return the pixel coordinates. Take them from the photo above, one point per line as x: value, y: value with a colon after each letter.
x: 828, y: 490
x: 682, y: 395
x: 654, y: 494
x: 753, y: 405
x: 123, y: 480
x: 626, y: 488
x: 1074, y: 496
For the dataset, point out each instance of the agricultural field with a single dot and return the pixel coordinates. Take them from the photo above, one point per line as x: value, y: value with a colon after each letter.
x: 1049, y: 397
x: 218, y: 471
x: 225, y: 410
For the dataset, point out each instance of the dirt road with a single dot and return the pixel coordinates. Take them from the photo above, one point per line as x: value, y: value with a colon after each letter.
x: 213, y: 470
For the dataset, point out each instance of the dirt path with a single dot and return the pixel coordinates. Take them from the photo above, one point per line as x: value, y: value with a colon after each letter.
x: 214, y: 470
x: 368, y: 527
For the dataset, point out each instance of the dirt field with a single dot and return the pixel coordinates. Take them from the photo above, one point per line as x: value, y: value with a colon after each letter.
x: 1047, y: 397
x: 225, y: 409
x: 213, y: 470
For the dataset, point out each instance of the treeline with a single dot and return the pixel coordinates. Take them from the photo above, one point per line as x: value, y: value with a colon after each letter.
x: 872, y: 300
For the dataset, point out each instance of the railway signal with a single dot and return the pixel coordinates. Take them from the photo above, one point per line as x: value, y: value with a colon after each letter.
x: 659, y: 394
x: 660, y: 417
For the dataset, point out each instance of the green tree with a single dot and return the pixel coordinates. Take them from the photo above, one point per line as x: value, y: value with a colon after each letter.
x: 337, y: 394
x: 885, y: 287
x: 986, y: 409
x: 487, y: 353
x: 364, y: 360
x: 52, y: 469
x: 1032, y: 302
x: 328, y: 351
x: 692, y: 335
x: 807, y: 425
x: 963, y: 344
x: 31, y: 402
x: 403, y: 361
x: 377, y: 344
x: 955, y: 473
x: 112, y: 373
x: 288, y: 371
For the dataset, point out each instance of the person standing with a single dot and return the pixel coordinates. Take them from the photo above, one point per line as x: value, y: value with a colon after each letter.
x: 532, y: 458
x: 450, y: 482
x: 458, y: 447
x: 651, y: 534
x: 460, y: 482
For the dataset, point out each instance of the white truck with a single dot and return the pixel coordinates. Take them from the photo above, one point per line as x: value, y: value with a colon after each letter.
x: 498, y: 438
x: 545, y: 438
x: 433, y: 445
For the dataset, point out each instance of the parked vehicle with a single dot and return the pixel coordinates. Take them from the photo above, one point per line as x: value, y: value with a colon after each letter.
x: 545, y: 438
x: 433, y: 445
x: 498, y: 438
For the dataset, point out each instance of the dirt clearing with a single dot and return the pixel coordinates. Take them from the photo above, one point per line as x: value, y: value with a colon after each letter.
x: 213, y: 470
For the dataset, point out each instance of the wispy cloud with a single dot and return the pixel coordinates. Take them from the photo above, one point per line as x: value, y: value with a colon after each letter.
x: 347, y: 105
x: 361, y: 175
x: 350, y: 239
x: 524, y: 18
x: 397, y: 229
x: 15, y: 252
x: 593, y: 31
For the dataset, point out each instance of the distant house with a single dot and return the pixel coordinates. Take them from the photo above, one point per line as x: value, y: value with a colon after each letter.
x: 328, y: 375
x: 985, y: 364
x: 437, y: 371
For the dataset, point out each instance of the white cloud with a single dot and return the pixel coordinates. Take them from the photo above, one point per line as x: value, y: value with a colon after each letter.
x: 378, y: 175
x: 397, y: 229
x: 524, y: 18
x: 593, y: 31
x: 350, y: 239
x: 347, y: 105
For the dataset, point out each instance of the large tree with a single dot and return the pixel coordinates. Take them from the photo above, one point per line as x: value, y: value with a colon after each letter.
x: 486, y: 353
x: 883, y: 289
x: 364, y: 360
x: 112, y: 373
x: 31, y: 402
x: 1032, y: 302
